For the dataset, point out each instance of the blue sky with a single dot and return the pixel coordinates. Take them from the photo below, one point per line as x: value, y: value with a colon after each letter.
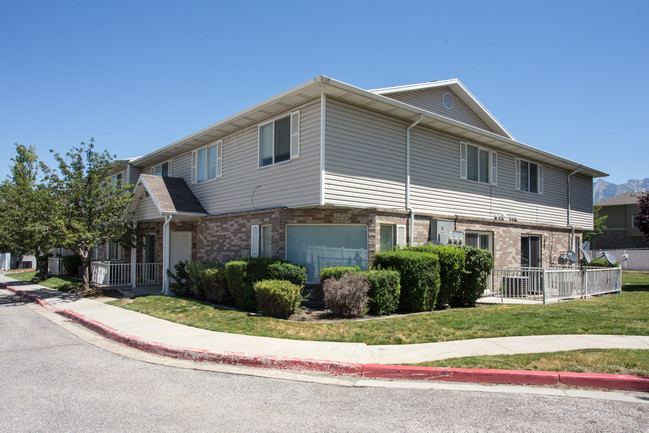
x: 568, y: 77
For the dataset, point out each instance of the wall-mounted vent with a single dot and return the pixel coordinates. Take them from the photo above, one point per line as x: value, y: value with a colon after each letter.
x: 447, y: 98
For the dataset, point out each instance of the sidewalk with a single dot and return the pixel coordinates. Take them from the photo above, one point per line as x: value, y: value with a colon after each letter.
x: 172, y: 339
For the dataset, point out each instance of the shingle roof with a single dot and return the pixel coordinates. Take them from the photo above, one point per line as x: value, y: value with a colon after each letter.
x: 172, y: 194
x: 622, y: 199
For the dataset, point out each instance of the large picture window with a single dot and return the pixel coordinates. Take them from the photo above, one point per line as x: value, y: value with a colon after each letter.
x: 478, y: 164
x: 529, y: 176
x: 279, y: 140
x: 321, y: 246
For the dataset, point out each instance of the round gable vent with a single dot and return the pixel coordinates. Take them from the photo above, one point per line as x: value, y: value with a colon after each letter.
x: 448, y: 100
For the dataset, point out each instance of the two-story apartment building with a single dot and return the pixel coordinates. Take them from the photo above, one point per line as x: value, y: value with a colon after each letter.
x: 327, y: 173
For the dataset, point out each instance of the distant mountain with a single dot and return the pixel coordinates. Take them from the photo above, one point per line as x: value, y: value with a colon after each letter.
x: 603, y: 189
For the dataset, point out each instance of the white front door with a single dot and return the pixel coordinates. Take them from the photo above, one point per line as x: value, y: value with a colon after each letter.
x: 180, y: 248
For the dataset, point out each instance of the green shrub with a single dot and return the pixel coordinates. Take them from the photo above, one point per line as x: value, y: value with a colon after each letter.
x: 72, y: 264
x: 478, y: 265
x: 196, y: 278
x: 278, y: 298
x: 296, y: 274
x: 346, y: 297
x: 385, y: 288
x: 601, y: 263
x: 337, y: 272
x: 239, y: 285
x: 451, y: 270
x: 215, y: 286
x: 183, y: 285
x: 419, y: 277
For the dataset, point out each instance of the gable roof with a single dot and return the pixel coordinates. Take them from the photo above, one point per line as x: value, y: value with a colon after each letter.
x: 460, y: 90
x: 322, y: 85
x: 622, y: 199
x: 170, y: 195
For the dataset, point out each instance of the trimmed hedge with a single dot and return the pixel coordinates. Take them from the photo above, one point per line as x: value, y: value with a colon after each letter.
x: 337, y: 272
x: 451, y: 270
x: 385, y: 288
x: 72, y: 264
x: 478, y: 265
x: 346, y: 297
x: 278, y: 298
x: 241, y: 275
x: 195, y: 274
x: 419, y: 277
x: 215, y: 286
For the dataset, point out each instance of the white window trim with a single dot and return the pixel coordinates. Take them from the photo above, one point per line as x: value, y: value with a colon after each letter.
x: 219, y: 162
x: 539, y: 177
x: 254, y: 240
x: 401, y: 236
x: 476, y: 232
x: 294, y: 138
x: 152, y: 169
x: 492, y: 170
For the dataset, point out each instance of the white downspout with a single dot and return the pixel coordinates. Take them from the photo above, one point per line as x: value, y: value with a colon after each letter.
x: 572, y: 234
x: 165, y: 255
x: 412, y: 212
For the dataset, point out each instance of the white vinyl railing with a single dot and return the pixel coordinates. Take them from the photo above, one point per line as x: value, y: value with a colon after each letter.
x: 119, y: 274
x: 55, y: 266
x: 543, y: 284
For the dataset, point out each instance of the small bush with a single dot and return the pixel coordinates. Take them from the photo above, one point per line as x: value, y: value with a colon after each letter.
x: 183, y: 285
x: 337, y: 272
x: 278, y: 298
x: 239, y: 285
x: 385, y: 288
x: 478, y: 265
x: 296, y: 274
x: 601, y: 263
x: 419, y: 277
x: 196, y: 277
x: 215, y: 286
x: 72, y: 264
x: 346, y: 297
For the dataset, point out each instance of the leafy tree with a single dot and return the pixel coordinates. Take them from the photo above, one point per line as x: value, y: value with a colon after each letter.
x: 92, y: 206
x: 598, y: 224
x: 642, y: 216
x: 28, y: 210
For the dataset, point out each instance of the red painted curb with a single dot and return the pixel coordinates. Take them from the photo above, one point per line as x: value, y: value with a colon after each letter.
x: 514, y: 377
x: 608, y: 381
x: 376, y: 371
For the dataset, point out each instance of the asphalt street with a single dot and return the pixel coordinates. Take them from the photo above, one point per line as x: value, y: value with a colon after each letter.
x: 52, y: 380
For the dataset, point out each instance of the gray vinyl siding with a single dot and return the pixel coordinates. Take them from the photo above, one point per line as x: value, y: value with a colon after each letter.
x: 365, y: 165
x: 145, y: 209
x: 431, y: 100
x: 581, y: 197
x: 134, y: 175
x: 244, y: 186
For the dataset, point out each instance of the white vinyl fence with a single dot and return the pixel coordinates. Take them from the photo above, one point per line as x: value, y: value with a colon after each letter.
x: 542, y: 284
x: 638, y: 259
x: 119, y: 274
x: 55, y: 266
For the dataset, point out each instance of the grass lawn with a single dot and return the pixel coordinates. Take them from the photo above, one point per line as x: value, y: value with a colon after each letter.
x: 62, y: 283
x: 620, y: 314
x: 613, y: 361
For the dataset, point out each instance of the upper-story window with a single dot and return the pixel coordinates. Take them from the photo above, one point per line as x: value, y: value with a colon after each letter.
x: 207, y: 162
x: 118, y: 178
x: 478, y: 164
x: 163, y: 169
x: 529, y: 176
x: 279, y: 139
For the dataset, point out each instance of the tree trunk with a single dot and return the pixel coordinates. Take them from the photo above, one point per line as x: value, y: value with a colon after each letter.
x: 85, y: 267
x: 41, y: 263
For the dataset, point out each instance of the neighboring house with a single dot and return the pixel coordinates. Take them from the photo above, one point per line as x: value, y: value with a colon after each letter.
x: 620, y: 232
x: 329, y: 174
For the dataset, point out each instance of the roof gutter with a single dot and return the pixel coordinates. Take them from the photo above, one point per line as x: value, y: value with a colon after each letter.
x: 412, y: 212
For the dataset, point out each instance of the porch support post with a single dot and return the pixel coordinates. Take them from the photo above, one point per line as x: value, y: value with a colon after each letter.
x: 165, y: 255
x: 134, y: 260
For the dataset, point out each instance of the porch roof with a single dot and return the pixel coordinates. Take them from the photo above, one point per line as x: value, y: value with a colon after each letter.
x: 170, y: 195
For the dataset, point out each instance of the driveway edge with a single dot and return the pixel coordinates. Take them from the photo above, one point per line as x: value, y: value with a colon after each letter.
x: 376, y: 371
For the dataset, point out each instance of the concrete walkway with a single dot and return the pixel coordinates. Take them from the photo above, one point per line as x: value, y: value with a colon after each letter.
x: 134, y: 329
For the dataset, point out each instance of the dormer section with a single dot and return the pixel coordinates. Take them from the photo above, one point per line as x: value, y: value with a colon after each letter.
x: 448, y: 98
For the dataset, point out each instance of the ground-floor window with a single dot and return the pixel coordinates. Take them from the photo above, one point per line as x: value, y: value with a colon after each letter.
x: 114, y: 251
x: 266, y: 240
x: 387, y: 237
x: 321, y: 246
x: 531, y: 251
x: 480, y: 240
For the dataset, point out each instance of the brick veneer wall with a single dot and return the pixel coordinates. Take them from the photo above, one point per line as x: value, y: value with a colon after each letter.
x: 614, y: 239
x: 225, y: 237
